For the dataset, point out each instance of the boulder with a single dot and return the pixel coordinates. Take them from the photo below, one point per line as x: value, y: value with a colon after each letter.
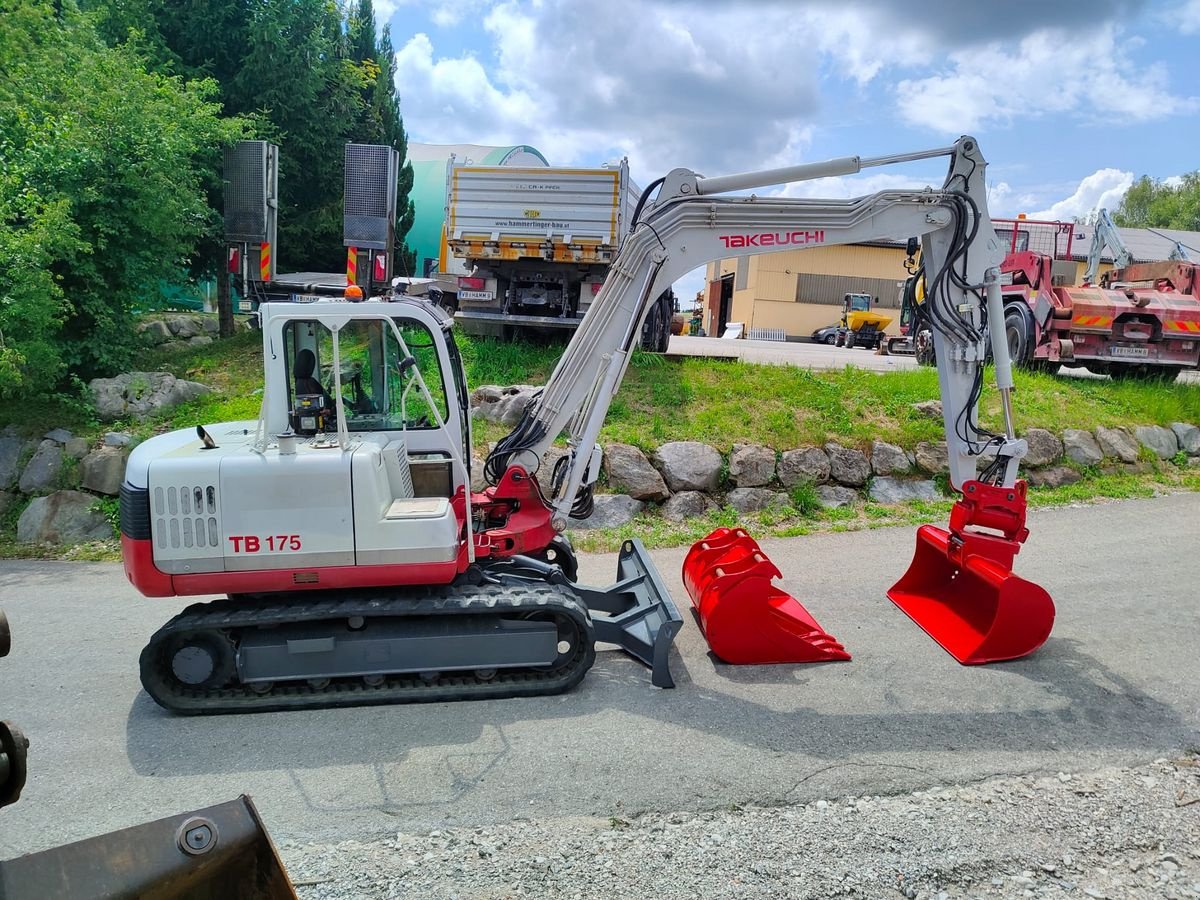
x: 628, y: 470
x: 1044, y: 447
x: 64, y: 517
x: 833, y: 496
x: 155, y: 331
x: 1188, y: 437
x: 689, y: 466
x: 58, y: 435
x: 42, y: 471
x: 549, y: 460
x: 141, y: 394
x: 478, y: 482
x: 755, y: 499
x: 210, y: 324
x: 504, y: 405
x: 11, y: 450
x: 806, y: 465
x: 687, y: 505
x: 183, y: 327
x: 1117, y: 442
x: 751, y: 465
x: 117, y: 439
x: 1161, y: 440
x: 932, y: 457
x: 610, y: 511
x: 200, y: 340
x: 77, y: 448
x: 930, y: 409
x: 103, y: 470
x: 901, y: 490
x: 1080, y: 447
x: 888, y: 459
x: 848, y: 466
x: 1054, y: 476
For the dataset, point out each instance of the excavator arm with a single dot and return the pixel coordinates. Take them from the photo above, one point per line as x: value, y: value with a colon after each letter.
x: 694, y: 221
x: 1105, y: 234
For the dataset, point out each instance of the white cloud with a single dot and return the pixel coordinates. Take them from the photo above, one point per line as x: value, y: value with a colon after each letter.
x: 844, y: 187
x: 1048, y: 72
x: 1186, y: 18
x: 1103, y: 188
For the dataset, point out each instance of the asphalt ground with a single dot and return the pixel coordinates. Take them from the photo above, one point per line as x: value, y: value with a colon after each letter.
x: 818, y: 357
x: 1115, y: 684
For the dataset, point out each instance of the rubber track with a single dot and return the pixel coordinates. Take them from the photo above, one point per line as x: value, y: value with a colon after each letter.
x: 225, y: 616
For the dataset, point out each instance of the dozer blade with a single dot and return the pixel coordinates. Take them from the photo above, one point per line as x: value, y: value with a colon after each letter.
x: 218, y: 853
x: 961, y: 590
x: 640, y: 616
x: 745, y: 618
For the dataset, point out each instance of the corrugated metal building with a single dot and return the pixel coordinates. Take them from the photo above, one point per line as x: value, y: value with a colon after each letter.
x: 800, y: 291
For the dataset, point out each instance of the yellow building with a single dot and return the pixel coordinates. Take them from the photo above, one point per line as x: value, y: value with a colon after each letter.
x: 800, y: 291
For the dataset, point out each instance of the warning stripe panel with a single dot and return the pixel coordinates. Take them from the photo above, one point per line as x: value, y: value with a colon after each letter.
x: 264, y: 261
x: 1184, y: 326
x: 351, y: 265
x: 1092, y: 321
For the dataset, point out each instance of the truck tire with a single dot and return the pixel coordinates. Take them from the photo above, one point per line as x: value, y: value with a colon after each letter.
x: 1019, y: 330
x: 656, y: 331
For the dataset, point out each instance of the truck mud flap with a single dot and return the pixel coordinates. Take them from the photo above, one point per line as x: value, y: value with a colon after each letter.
x: 221, y: 852
x: 639, y: 615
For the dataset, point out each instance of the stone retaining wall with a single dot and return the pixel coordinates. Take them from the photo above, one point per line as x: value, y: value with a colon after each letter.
x: 689, y: 478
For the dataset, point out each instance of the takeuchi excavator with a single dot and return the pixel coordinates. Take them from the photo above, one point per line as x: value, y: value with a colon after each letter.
x: 360, y: 567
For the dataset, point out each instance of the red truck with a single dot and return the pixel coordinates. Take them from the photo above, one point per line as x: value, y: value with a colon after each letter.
x: 1142, y: 321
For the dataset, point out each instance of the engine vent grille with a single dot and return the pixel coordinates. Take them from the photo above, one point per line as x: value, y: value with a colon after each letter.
x: 185, y: 518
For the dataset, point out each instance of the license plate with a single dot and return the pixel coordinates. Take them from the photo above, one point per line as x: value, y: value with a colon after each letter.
x: 476, y: 295
x: 1140, y: 352
x: 243, y: 306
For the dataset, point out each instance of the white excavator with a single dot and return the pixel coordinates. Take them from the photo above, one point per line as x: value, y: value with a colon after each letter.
x: 360, y: 567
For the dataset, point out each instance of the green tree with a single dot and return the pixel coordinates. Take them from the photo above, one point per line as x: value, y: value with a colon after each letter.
x: 101, y: 192
x: 1157, y: 204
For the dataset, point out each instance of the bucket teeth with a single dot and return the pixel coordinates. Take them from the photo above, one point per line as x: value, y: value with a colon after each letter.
x: 745, y: 618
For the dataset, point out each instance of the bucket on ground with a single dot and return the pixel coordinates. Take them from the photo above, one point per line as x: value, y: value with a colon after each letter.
x: 746, y: 619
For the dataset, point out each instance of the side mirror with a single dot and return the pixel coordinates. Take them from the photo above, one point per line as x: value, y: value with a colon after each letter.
x: 911, y: 248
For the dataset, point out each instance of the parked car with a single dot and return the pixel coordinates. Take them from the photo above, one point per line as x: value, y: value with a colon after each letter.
x: 826, y: 335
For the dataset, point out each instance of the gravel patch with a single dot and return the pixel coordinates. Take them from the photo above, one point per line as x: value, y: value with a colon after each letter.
x: 1114, y: 833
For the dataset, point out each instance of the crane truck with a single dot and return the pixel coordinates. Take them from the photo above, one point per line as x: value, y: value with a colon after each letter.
x: 360, y: 567
x: 531, y: 247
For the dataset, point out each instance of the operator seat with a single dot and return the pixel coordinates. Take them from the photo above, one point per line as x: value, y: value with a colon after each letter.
x: 306, y: 362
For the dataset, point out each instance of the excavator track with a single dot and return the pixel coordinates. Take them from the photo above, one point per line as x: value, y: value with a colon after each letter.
x: 217, y: 635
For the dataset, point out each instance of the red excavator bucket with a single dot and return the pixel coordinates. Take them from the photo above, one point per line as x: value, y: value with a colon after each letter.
x: 744, y: 617
x: 961, y: 589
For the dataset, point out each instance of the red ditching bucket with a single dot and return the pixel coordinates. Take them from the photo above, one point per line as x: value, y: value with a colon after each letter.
x: 745, y: 618
x: 961, y: 589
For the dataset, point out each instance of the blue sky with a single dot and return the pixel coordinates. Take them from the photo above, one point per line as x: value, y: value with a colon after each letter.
x: 1071, y: 101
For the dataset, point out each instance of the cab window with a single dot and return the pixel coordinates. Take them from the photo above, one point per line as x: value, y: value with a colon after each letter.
x: 379, y: 388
